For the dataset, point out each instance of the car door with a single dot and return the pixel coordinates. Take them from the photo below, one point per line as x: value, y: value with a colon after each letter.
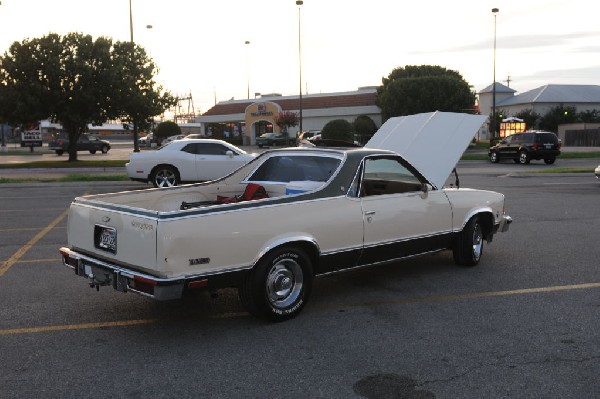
x: 83, y: 144
x: 215, y: 160
x: 399, y: 218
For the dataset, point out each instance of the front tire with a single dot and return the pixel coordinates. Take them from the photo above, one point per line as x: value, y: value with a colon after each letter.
x: 494, y: 158
x: 104, y: 149
x: 524, y: 158
x: 59, y: 152
x: 164, y: 176
x: 279, y: 285
x: 468, y: 247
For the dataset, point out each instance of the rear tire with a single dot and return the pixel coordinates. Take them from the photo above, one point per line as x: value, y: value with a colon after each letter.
x: 524, y: 158
x: 468, y: 247
x: 549, y: 161
x: 164, y: 176
x: 59, y: 152
x: 279, y: 285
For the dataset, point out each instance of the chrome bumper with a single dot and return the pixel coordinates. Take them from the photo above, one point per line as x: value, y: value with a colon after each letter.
x: 100, y: 273
x: 505, y: 221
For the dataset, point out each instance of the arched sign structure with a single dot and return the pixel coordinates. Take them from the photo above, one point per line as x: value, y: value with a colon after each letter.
x: 258, y: 112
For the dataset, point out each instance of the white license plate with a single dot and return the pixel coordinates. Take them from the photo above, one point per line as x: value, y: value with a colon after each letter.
x: 548, y: 146
x: 106, y: 238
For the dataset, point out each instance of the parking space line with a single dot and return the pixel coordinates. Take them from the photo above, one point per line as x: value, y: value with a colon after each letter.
x: 53, y: 260
x: 83, y: 326
x: 23, y: 250
x: 28, y: 229
x: 231, y: 315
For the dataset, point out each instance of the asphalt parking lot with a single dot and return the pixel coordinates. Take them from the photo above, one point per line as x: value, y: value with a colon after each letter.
x: 523, y: 323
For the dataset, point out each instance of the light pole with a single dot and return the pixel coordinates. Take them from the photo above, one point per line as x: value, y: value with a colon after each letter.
x: 247, y: 42
x: 494, y: 11
x: 130, y: 23
x: 299, y: 3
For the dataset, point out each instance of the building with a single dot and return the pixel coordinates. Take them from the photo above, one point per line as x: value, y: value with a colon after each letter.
x: 248, y: 119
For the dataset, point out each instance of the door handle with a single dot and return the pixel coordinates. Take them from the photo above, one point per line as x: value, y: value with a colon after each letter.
x: 369, y: 213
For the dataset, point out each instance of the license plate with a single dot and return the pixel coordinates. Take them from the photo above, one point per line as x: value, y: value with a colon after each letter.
x: 105, y: 238
x: 548, y: 146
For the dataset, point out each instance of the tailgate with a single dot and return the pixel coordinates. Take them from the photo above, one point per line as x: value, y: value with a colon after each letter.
x: 127, y: 238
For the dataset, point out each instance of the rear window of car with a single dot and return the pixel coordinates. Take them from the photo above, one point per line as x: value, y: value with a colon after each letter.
x: 546, y: 138
x: 284, y: 169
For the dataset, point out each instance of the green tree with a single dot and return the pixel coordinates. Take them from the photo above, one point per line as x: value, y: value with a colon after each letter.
x: 137, y: 95
x: 285, y: 120
x: 529, y: 117
x: 364, y: 128
x: 589, y: 116
x: 557, y: 116
x: 166, y: 129
x: 77, y: 81
x: 426, y: 88
x: 338, y: 129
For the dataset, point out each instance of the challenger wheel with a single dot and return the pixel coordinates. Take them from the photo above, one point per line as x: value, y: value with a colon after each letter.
x: 468, y: 247
x: 279, y: 286
x: 164, y: 176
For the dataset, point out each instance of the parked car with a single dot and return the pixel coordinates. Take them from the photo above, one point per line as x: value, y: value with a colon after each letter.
x: 525, y: 146
x: 319, y: 211
x: 318, y: 141
x: 304, y: 136
x: 86, y: 142
x: 189, y: 160
x: 146, y: 141
x: 195, y: 136
x: 271, y: 139
x: 172, y: 138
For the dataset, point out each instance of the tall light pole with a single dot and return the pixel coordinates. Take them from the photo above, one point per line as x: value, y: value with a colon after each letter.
x: 494, y: 11
x: 130, y: 23
x: 299, y: 3
x: 247, y: 43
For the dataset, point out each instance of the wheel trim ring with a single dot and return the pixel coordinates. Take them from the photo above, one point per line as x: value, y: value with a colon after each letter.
x: 284, y: 283
x: 523, y: 157
x: 477, y: 241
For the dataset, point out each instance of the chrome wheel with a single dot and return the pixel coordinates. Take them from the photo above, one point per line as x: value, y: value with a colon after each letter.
x: 284, y: 283
x: 477, y: 241
x: 164, y: 177
x: 493, y: 157
x: 523, y: 157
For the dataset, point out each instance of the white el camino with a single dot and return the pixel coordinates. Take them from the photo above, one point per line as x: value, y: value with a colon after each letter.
x: 186, y: 160
x: 322, y: 211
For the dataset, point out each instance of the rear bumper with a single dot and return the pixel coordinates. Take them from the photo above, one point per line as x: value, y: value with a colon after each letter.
x: 100, y: 273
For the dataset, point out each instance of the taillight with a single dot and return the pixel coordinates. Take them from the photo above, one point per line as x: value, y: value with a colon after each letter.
x: 535, y: 146
x: 61, y: 142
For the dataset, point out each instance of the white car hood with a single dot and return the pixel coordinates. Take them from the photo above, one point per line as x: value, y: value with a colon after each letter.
x: 432, y: 142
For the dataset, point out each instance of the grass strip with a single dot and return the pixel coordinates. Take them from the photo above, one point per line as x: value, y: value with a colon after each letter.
x: 113, y: 163
x: 67, y: 178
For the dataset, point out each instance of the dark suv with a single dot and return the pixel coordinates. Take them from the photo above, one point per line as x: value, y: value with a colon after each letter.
x: 86, y: 142
x: 525, y: 146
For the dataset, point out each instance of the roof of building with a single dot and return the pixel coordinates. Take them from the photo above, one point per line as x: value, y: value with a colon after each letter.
x: 359, y: 98
x: 500, y: 88
x: 554, y: 93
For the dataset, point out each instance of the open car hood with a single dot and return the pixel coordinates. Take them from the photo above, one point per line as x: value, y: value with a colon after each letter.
x: 432, y: 142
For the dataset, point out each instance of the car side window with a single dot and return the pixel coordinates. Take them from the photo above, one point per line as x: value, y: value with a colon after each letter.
x: 387, y: 176
x: 206, y: 149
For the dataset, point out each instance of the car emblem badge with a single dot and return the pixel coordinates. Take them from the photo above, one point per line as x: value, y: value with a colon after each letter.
x: 105, y: 219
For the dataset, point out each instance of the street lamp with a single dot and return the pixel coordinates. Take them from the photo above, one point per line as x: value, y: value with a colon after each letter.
x: 130, y: 23
x: 299, y: 3
x: 494, y: 11
x: 247, y: 42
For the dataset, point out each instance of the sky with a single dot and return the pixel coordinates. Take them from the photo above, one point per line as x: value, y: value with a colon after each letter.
x: 199, y: 45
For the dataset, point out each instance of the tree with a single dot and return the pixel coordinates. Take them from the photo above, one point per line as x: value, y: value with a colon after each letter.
x: 76, y: 81
x: 529, y: 117
x: 556, y: 116
x: 285, y: 120
x: 338, y: 129
x: 166, y: 129
x: 589, y: 116
x: 425, y: 88
x: 137, y: 96
x: 364, y: 128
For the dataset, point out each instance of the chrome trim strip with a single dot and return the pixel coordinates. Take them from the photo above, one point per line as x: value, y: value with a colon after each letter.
x: 381, y: 262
